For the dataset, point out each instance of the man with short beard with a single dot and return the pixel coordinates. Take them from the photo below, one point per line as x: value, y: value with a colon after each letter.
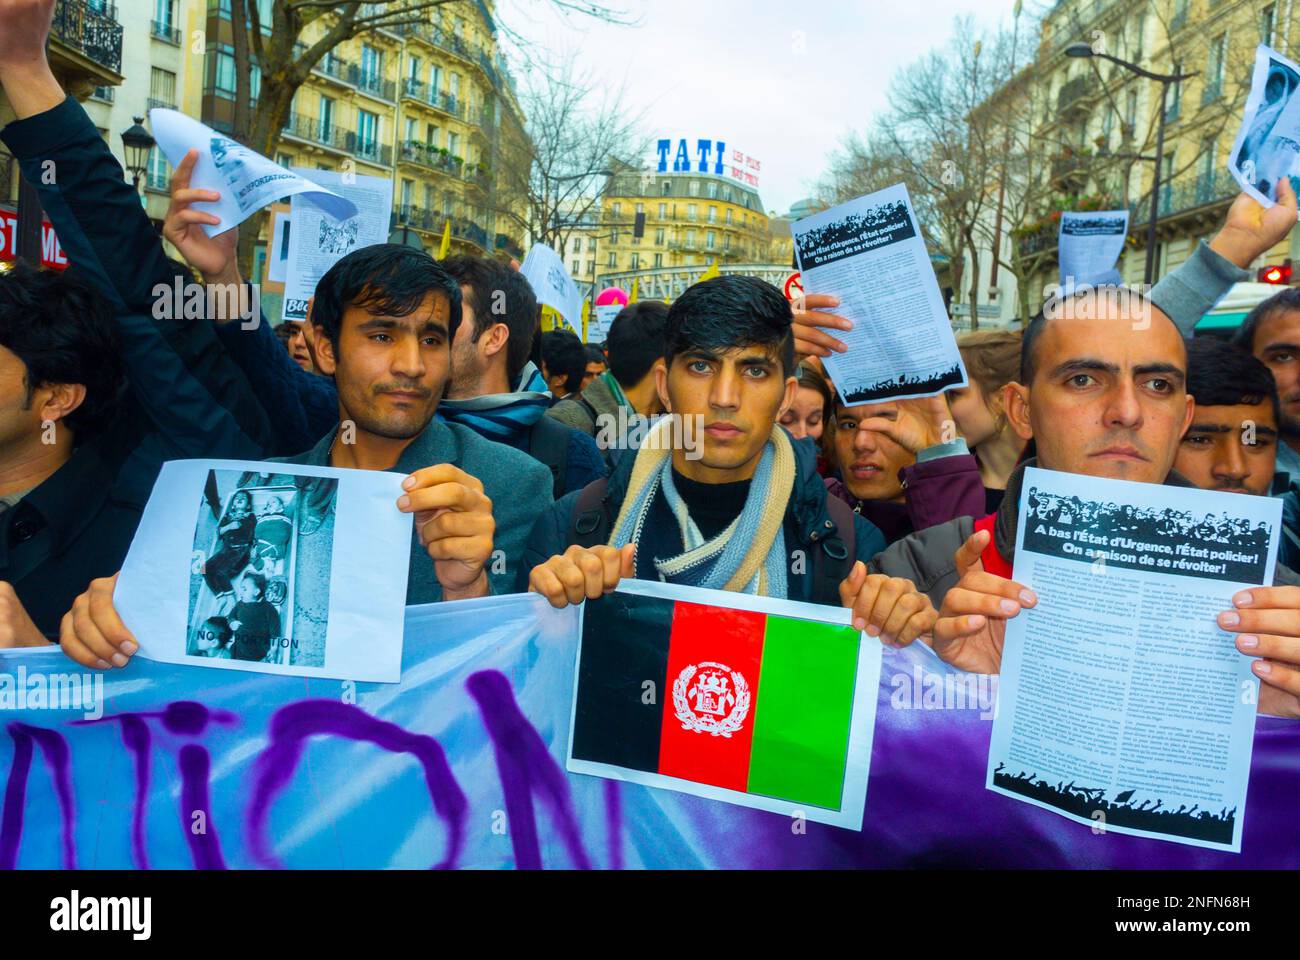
x: 1271, y: 332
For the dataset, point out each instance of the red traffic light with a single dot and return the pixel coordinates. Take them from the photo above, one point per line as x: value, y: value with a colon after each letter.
x: 1279, y: 274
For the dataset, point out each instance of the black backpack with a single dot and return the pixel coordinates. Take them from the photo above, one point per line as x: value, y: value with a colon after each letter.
x: 589, y: 526
x: 548, y: 443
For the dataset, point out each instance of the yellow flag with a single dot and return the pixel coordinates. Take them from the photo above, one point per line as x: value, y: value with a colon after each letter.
x: 586, y: 314
x: 445, y: 248
x: 712, y: 272
x: 635, y: 288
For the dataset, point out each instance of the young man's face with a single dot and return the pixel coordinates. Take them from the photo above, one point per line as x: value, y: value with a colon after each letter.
x: 869, y: 461
x: 1277, y: 344
x: 1230, y: 448
x: 391, y: 371
x: 296, y: 344
x: 1109, y: 396
x: 20, y: 415
x: 737, y: 396
x: 594, y: 370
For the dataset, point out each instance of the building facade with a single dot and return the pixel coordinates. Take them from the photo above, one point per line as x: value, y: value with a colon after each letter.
x: 1086, y: 132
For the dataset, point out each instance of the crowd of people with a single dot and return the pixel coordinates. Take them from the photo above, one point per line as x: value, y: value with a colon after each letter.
x: 903, y: 511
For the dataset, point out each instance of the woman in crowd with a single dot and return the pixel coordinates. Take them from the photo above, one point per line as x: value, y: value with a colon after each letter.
x: 992, y: 360
x: 806, y: 417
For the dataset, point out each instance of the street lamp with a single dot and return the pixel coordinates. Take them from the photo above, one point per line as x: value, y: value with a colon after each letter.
x: 1085, y: 50
x: 137, y: 143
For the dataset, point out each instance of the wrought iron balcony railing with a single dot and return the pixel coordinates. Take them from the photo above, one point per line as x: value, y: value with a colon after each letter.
x: 91, y: 29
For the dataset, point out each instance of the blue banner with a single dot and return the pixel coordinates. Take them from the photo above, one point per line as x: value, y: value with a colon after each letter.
x: 461, y: 765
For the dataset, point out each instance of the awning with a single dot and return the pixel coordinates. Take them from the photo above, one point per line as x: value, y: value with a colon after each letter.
x: 1222, y: 321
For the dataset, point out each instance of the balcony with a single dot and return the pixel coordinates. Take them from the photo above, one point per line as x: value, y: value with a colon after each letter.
x: 1041, y: 241
x: 89, y: 31
x: 371, y: 151
x: 431, y: 158
x: 434, y: 222
x: 329, y: 66
x: 477, y: 175
x: 312, y: 130
x: 371, y: 83
x: 509, y: 247
x: 165, y: 32
x: 1070, y: 168
x: 155, y: 103
x: 1189, y: 193
x: 1075, y: 95
x: 421, y: 92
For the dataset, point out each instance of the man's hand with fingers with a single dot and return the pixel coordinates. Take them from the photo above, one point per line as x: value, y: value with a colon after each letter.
x: 810, y: 317
x: 582, y: 573
x: 887, y: 607
x: 214, y: 257
x: 453, y: 519
x: 973, y: 619
x: 919, y: 424
x: 1251, y: 229
x: 92, y: 633
x: 1266, y: 621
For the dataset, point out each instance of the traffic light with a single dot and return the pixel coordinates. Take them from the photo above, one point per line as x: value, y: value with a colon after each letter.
x: 1279, y: 274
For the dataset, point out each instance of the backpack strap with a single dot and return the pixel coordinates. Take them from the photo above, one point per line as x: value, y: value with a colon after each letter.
x: 589, y: 523
x: 583, y: 402
x: 838, y: 553
x: 548, y: 443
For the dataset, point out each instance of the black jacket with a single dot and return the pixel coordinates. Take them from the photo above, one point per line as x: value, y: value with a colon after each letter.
x: 808, y: 525
x: 186, y: 398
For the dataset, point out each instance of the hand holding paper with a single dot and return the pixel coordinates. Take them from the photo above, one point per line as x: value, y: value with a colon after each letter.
x: 973, y: 619
x: 1252, y: 229
x: 92, y: 632
x: 213, y: 256
x: 1267, y: 623
x: 453, y: 518
x: 887, y: 607
x: 811, y: 322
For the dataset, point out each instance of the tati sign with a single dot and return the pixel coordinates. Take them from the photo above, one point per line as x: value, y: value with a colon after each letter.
x: 52, y: 254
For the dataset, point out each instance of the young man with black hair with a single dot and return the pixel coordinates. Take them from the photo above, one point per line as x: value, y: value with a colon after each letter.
x: 750, y: 514
x: 564, y: 362
x: 1102, y: 392
x: 495, y: 390
x: 1271, y: 333
x: 596, y: 364
x: 627, y: 391
x: 1231, y: 444
x: 97, y: 386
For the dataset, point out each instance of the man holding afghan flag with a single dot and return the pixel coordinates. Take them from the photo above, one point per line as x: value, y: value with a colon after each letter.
x: 717, y: 497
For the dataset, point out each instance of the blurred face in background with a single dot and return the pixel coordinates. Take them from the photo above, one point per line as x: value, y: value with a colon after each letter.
x: 970, y: 411
x: 1277, y: 344
x: 1230, y: 448
x: 807, y: 415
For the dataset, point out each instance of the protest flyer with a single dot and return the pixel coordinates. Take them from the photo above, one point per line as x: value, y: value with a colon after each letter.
x: 1122, y: 704
x: 1268, y: 142
x: 602, y: 318
x: 552, y: 285
x: 1090, y: 245
x: 869, y: 253
x: 278, y: 258
x: 317, y: 240
x: 270, y: 568
x: 246, y: 180
x: 762, y: 703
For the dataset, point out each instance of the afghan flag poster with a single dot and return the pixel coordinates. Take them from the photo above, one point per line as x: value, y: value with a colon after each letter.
x: 753, y: 701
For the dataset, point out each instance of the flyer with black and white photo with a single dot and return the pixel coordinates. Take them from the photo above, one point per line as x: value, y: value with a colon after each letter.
x: 1121, y: 703
x: 551, y: 283
x: 270, y: 568
x: 869, y: 253
x: 1090, y: 245
x: 317, y: 240
x: 1267, y: 147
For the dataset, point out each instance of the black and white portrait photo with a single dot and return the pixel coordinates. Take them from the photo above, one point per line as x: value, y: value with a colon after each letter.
x: 1270, y: 139
x: 260, y: 580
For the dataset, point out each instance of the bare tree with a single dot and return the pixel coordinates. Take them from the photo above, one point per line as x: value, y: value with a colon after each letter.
x: 285, y: 61
x: 580, y: 133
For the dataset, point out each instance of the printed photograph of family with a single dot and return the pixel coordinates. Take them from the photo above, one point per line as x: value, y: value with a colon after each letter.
x: 260, y: 577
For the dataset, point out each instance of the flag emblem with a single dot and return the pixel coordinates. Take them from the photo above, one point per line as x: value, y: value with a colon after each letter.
x: 711, y: 698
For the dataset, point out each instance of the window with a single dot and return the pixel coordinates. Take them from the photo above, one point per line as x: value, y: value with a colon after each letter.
x: 162, y: 13
x: 636, y: 262
x: 730, y: 216
x: 1214, y: 68
x: 713, y: 214
x: 455, y: 86
x: 591, y: 266
x: 159, y: 171
x: 591, y: 244
x: 668, y: 188
x: 1267, y: 22
x: 576, y: 247
x: 414, y: 72
x: 431, y: 135
x: 694, y: 188
x: 162, y: 88
x: 371, y: 65
x: 726, y: 243
x: 663, y: 211
x: 410, y: 129
x: 659, y: 260
x: 453, y: 143
x: 284, y: 160
x: 408, y: 187
x: 326, y: 119
x: 690, y: 238
x: 612, y: 263
x: 367, y: 132
x: 711, y: 240
x: 713, y: 190
x: 222, y: 78
x: 617, y: 209
x: 435, y: 79
x: 1131, y: 113
x: 659, y: 236
x: 577, y: 268
x: 640, y: 208
x: 690, y: 211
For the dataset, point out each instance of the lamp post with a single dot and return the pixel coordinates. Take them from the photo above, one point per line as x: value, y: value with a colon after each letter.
x: 1085, y: 50
x: 136, y: 144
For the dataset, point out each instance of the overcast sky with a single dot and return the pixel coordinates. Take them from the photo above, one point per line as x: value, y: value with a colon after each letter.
x: 779, y: 85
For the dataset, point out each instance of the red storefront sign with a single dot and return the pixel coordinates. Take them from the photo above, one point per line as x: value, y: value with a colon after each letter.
x: 52, y: 254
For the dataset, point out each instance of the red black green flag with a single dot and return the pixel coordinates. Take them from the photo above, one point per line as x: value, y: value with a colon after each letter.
x: 769, y: 705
